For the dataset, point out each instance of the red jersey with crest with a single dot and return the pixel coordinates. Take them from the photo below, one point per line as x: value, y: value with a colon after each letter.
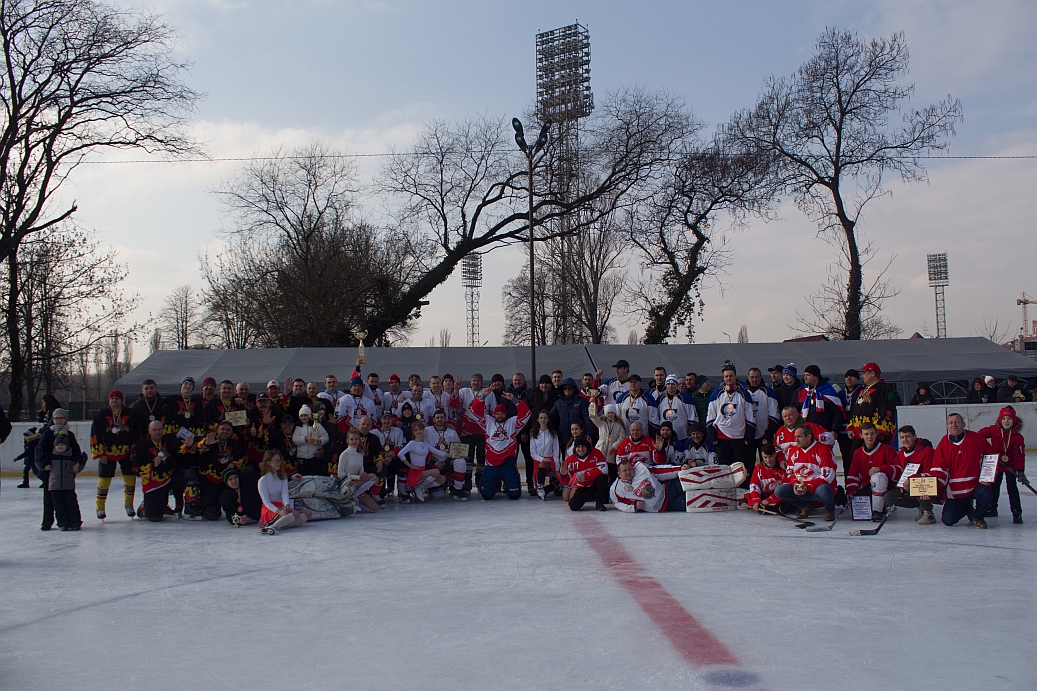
x: 882, y: 457
x: 640, y: 451
x: 763, y: 483
x: 582, y: 472
x: 813, y: 466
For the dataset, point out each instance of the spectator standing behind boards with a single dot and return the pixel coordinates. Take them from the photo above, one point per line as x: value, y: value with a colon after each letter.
x: 977, y: 393
x: 922, y: 396
x: 990, y: 386
x: 1008, y: 444
x: 1011, y: 391
x: 876, y: 403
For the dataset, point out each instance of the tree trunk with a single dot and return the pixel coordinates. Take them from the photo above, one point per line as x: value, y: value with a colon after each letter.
x: 660, y: 318
x: 17, y: 361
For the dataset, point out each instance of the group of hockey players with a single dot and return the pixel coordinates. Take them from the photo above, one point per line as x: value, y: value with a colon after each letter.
x: 223, y: 450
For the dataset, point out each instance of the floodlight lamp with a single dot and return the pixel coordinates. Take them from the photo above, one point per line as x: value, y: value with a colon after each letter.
x: 517, y: 124
x: 542, y: 139
x: 521, y: 141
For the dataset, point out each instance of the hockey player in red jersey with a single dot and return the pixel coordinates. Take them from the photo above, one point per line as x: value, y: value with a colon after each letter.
x: 501, y: 443
x: 637, y: 448
x: 809, y: 476
x: 785, y: 437
x: 1008, y: 444
x: 586, y: 475
x: 874, y: 471
x: 915, y: 451
x: 765, y: 479
x: 957, y: 462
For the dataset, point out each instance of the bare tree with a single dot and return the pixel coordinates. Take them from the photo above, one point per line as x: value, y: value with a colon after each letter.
x: 70, y: 297
x: 300, y: 269
x: 675, y: 229
x: 179, y: 316
x: 444, y: 338
x: 79, y: 77
x: 515, y: 299
x: 155, y: 341
x: 993, y: 332
x: 828, y: 306
x: 743, y: 334
x: 633, y: 338
x: 829, y: 126
x: 465, y: 189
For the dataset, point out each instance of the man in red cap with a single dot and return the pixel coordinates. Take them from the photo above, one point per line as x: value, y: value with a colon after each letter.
x: 114, y: 431
x: 876, y: 402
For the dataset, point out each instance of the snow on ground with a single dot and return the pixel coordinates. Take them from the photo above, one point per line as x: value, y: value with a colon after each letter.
x: 513, y: 595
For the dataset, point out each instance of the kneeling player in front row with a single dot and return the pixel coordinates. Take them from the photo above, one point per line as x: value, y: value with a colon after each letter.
x: 650, y: 489
x: 809, y: 475
x: 765, y: 479
x: 874, y: 471
x: 155, y: 460
x: 586, y: 475
x: 916, y: 458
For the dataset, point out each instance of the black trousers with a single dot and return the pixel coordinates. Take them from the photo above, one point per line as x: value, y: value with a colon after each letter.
x: 48, y: 501
x: 476, y: 457
x: 531, y: 474
x: 1013, y: 492
x: 599, y: 492
x: 732, y: 450
x: 248, y: 486
x: 66, y: 508
x: 155, y: 503
x: 846, y: 449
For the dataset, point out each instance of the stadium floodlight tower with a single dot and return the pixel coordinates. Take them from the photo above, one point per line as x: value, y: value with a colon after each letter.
x: 471, y: 279
x: 564, y: 97
x: 939, y: 278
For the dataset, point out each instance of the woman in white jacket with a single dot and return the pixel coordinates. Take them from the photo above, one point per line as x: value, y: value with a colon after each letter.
x: 543, y: 448
x: 309, y: 439
x: 610, y: 432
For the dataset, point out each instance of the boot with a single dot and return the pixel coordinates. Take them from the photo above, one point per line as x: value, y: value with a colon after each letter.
x: 1017, y: 517
x: 927, y: 518
x: 803, y: 513
x: 980, y: 523
x: 830, y: 515
x: 24, y: 484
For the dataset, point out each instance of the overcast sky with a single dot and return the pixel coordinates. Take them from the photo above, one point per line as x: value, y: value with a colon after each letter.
x: 365, y: 76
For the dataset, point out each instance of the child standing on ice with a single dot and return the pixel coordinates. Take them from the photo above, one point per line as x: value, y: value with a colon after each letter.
x: 278, y: 511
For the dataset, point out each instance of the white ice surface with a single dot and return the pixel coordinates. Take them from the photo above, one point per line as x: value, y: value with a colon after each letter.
x: 507, y: 595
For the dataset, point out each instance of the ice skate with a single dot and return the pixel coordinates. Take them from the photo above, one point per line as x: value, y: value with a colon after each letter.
x: 1017, y: 517
x: 541, y: 493
x: 268, y: 530
x: 130, y: 512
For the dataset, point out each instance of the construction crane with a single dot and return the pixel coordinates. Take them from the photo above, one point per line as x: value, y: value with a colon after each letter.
x: 1025, y: 301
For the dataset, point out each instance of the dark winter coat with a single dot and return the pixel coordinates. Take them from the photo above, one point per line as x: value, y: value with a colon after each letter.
x: 63, y: 468
x: 788, y: 395
x: 568, y: 410
x: 537, y: 400
x: 701, y: 401
x: 1007, y: 393
x: 876, y: 404
x: 977, y: 397
x: 5, y: 426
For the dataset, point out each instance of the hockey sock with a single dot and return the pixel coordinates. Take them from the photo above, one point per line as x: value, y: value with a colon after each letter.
x: 460, y: 468
x: 300, y: 520
x: 129, y: 486
x: 401, y: 484
x: 879, y: 482
x: 541, y: 476
x: 103, y: 483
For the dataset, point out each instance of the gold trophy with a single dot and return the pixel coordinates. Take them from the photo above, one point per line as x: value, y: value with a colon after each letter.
x: 592, y: 408
x: 799, y: 486
x: 361, y: 335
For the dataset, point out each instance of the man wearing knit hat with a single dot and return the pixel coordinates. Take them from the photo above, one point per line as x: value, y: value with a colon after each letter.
x: 788, y: 394
x: 114, y: 431
x: 208, y: 389
x: 818, y: 401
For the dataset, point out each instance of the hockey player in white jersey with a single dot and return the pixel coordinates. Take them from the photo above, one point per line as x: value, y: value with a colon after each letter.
x: 454, y: 468
x: 637, y: 406
x: 676, y: 408
x: 730, y: 421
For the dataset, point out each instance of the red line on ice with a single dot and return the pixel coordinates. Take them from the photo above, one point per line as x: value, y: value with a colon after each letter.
x: 692, y: 640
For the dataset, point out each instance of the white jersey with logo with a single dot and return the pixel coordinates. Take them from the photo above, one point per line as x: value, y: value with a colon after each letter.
x: 646, y: 486
x: 678, y: 411
x: 641, y: 409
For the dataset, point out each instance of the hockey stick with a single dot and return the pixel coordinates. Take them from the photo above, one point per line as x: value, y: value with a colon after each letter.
x: 804, y: 524
x: 1016, y: 474
x: 876, y: 529
x: 824, y: 528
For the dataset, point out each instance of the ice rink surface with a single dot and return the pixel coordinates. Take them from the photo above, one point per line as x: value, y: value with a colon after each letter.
x: 514, y: 595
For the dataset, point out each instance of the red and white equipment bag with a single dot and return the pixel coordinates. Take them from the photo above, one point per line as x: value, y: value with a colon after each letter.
x: 710, y: 500
x: 712, y: 477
